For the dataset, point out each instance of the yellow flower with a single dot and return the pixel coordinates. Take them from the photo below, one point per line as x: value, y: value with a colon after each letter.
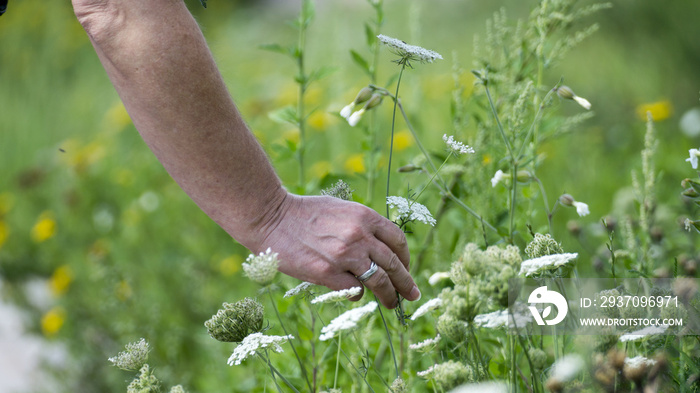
x: 52, y: 321
x: 60, y: 280
x: 402, y: 140
x: 230, y: 265
x: 486, y: 159
x: 124, y: 291
x: 320, y: 169
x: 4, y: 233
x: 7, y: 200
x: 44, y: 228
x: 660, y: 110
x: 320, y: 120
x: 355, y: 163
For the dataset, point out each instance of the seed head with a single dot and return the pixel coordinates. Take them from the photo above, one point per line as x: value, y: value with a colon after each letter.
x: 543, y: 245
x: 145, y: 382
x: 236, y: 321
x: 340, y: 190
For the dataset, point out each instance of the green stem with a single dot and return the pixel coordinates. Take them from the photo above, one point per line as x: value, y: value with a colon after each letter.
x: 291, y: 342
x: 546, y: 204
x: 337, y: 360
x: 391, y: 142
x: 274, y: 371
x: 303, y: 84
x: 498, y: 121
x: 388, y: 335
x: 513, y: 202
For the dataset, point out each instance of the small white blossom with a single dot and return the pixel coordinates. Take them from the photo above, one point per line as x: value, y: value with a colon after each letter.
x: 498, y: 177
x: 581, y: 208
x: 693, y: 160
x: 346, y: 321
x: 455, y: 146
x: 483, y: 387
x: 250, y: 345
x: 410, y: 52
x: 261, y: 268
x: 638, y: 361
x: 425, y: 345
x: 426, y: 373
x: 298, y: 289
x: 567, y: 367
x: 545, y: 263
x: 355, y: 117
x: 428, y: 306
x: 437, y: 277
x: 347, y: 110
x: 500, y: 318
x: 337, y: 296
x: 642, y: 333
x: 410, y: 211
x: 133, y: 358
x: 583, y: 102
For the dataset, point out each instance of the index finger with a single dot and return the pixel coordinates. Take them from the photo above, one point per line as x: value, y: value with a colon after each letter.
x: 390, y: 234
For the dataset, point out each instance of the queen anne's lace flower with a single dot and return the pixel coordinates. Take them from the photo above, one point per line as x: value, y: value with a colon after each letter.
x: 133, y: 358
x: 643, y: 333
x: 337, y: 296
x: 483, y: 387
x: 500, y: 318
x: 546, y: 263
x: 410, y: 211
x: 261, y: 268
x: 437, y: 277
x: 304, y: 286
x: 409, y: 52
x: 253, y: 342
x: 347, y: 320
x: 426, y: 373
x: 456, y: 146
x: 498, y: 177
x: 638, y: 361
x: 693, y: 160
x: 425, y: 345
x: 428, y: 306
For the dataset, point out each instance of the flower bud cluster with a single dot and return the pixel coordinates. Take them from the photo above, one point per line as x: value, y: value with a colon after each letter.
x: 366, y: 99
x: 236, y: 321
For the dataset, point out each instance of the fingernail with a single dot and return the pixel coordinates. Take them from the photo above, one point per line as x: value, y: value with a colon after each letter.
x: 415, y: 294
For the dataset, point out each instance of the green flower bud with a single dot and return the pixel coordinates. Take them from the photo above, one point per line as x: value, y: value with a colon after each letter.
x: 539, y: 358
x: 543, y: 245
x: 566, y: 93
x: 452, y: 374
x: 567, y: 200
x: 374, y: 101
x: 340, y: 190
x: 236, y: 321
x: 363, y: 95
x: 145, y: 382
x: 452, y: 328
x: 399, y: 386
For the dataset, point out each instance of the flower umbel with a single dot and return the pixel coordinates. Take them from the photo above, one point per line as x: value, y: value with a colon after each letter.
x: 456, y: 146
x: 337, y: 296
x: 346, y: 321
x: 547, y: 263
x: 428, y: 306
x: 410, y: 211
x: 252, y: 343
x: 145, y: 382
x: 426, y: 345
x: 235, y: 321
x: 408, y: 53
x: 261, y: 268
x: 304, y: 286
x: 133, y: 358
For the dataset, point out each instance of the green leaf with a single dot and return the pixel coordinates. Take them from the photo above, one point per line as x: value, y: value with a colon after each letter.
x: 369, y: 34
x: 359, y: 60
x: 285, y: 115
x: 305, y: 333
x: 307, y: 13
x: 285, y: 50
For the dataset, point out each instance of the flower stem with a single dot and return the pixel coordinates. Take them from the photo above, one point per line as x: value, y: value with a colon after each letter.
x: 388, y: 335
x: 391, y: 142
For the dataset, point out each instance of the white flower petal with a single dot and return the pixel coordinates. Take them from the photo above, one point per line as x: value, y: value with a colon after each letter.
x: 337, y: 296
x: 347, y: 320
x: 581, y: 208
x: 583, y: 102
x: 546, y: 263
x: 497, y: 178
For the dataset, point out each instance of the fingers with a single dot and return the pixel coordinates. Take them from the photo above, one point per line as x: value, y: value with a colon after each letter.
x: 399, y: 279
x: 391, y: 235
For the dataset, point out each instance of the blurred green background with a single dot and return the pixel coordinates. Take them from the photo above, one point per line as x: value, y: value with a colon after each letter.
x: 86, y: 206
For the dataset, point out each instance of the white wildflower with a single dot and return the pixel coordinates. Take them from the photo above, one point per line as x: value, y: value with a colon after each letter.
x: 581, y: 208
x: 355, y: 117
x: 545, y: 263
x: 133, y: 358
x: 409, y: 52
x: 336, y: 296
x: 456, y: 146
x: 253, y: 342
x: 566, y: 93
x: 426, y: 373
x: 298, y: 289
x: 567, y: 367
x: 638, y: 361
x: 483, y: 387
x: 500, y: 318
x: 410, y: 211
x: 437, y: 277
x: 583, y: 102
x: 498, y: 177
x: 693, y: 160
x: 425, y: 345
x: 261, y: 268
x: 643, y: 333
x: 347, y: 110
x: 428, y: 306
x: 688, y: 224
x: 346, y: 321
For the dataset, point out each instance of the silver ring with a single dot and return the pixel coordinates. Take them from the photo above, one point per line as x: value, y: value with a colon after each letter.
x: 366, y: 275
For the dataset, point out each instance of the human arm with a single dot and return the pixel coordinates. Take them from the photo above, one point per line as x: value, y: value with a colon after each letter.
x: 156, y: 57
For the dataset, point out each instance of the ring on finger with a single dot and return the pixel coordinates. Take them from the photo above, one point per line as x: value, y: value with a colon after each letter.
x: 369, y: 273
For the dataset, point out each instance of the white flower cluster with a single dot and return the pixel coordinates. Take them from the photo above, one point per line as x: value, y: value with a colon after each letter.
x: 253, y: 342
x: 337, y: 296
x: 639, y: 361
x: 133, y: 358
x: 456, y: 146
x: 298, y: 289
x: 410, y: 211
x: 412, y: 52
x: 483, y: 387
x: 425, y: 345
x: 643, y: 333
x: 261, y: 268
x: 426, y: 373
x: 347, y: 320
x: 546, y: 263
x: 693, y: 160
x: 428, y: 306
x: 437, y: 277
x: 500, y: 318
x: 567, y: 367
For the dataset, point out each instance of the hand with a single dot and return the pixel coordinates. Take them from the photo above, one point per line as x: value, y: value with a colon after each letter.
x: 328, y: 241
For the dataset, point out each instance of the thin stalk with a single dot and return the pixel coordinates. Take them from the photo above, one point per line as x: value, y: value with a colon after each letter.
x: 388, y: 335
x: 291, y: 343
x: 513, y: 201
x: 498, y: 122
x: 546, y: 204
x: 469, y: 210
x: 274, y: 371
x: 415, y: 138
x: 303, y: 84
x: 374, y: 120
x: 536, y: 120
x: 337, y: 360
x: 391, y: 142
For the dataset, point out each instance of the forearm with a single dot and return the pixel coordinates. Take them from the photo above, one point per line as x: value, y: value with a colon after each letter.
x: 157, y: 59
